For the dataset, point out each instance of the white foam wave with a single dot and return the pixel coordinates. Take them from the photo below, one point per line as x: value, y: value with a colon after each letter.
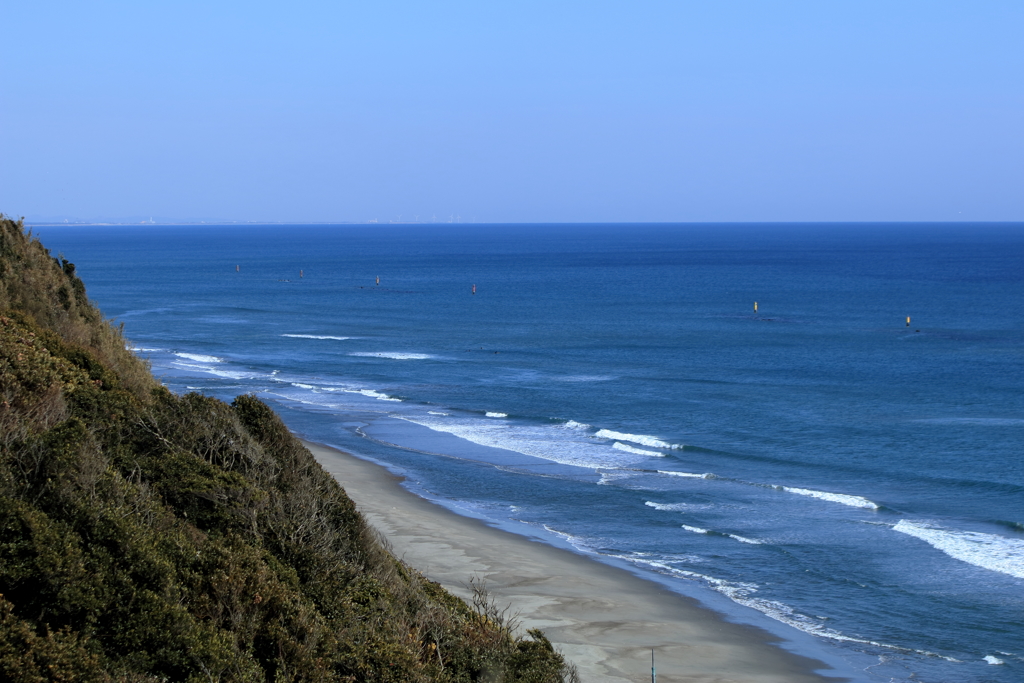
x: 372, y: 394
x: 995, y: 661
x: 547, y: 441
x: 608, y: 477
x: 852, y: 501
x: 742, y: 594
x: 435, y: 412
x: 143, y: 348
x: 669, y: 507
x: 199, y: 358
x: 618, y: 445
x: 988, y: 551
x: 573, y: 424
x: 210, y: 370
x: 233, y: 374
x: 574, y: 541
x: 699, y: 530
x: 393, y: 355
x: 744, y: 539
x: 303, y: 386
x: 315, y: 336
x: 180, y: 364
x: 641, y: 439
x: 691, y: 475
x: 492, y: 414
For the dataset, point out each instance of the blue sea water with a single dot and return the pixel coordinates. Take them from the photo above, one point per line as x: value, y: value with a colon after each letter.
x: 816, y: 466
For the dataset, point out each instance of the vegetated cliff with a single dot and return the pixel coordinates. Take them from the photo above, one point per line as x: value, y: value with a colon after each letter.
x: 146, y: 536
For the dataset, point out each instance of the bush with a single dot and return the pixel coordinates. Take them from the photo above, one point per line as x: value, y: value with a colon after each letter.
x: 146, y: 536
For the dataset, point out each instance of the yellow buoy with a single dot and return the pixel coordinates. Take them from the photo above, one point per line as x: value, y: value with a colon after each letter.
x: 755, y: 307
x: 908, y: 321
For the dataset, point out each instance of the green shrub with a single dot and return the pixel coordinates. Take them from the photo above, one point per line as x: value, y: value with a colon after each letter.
x: 151, y: 537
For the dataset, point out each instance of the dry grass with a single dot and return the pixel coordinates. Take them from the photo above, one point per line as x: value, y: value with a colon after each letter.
x: 45, y: 289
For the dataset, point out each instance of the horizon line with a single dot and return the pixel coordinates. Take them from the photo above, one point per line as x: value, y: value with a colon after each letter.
x: 152, y: 223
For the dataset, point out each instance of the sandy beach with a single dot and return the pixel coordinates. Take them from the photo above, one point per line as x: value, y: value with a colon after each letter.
x: 604, y: 619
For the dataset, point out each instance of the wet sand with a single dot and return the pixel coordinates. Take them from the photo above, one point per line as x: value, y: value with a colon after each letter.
x: 604, y: 619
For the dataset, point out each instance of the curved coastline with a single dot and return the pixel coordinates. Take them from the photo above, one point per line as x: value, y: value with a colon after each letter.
x: 603, y: 618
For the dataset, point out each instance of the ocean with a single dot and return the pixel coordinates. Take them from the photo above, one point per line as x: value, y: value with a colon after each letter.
x: 817, y: 467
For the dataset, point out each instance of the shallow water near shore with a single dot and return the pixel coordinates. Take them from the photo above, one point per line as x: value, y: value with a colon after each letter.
x: 611, y: 387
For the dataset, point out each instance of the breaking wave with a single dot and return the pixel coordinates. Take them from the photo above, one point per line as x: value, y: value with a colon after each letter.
x: 372, y: 394
x: 669, y: 507
x: 744, y: 539
x: 608, y: 477
x: 636, y: 451
x: 369, y: 393
x: 988, y: 551
x: 691, y: 475
x: 844, y: 499
x: 742, y: 593
x: 315, y: 336
x: 199, y: 358
x: 641, y: 439
x: 549, y: 442
x: 709, y: 532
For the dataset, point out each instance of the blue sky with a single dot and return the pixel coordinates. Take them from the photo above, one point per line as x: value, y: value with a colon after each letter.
x: 513, y: 111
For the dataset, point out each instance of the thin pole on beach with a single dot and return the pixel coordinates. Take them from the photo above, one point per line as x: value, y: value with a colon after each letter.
x: 654, y: 675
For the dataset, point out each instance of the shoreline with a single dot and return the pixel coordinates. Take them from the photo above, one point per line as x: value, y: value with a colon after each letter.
x: 602, y: 618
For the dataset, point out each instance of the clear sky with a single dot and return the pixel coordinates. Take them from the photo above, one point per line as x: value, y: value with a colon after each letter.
x: 517, y: 111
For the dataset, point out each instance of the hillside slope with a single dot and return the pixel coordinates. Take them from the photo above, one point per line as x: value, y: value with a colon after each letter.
x: 146, y: 536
